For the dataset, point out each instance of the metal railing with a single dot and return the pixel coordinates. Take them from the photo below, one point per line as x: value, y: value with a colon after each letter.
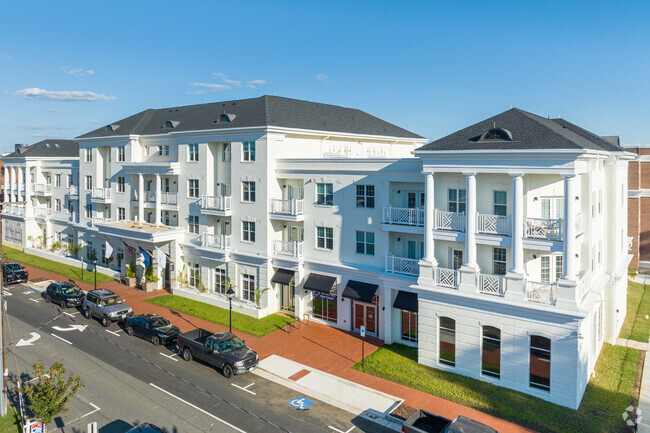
x: 165, y: 197
x: 491, y: 284
x: 543, y: 228
x: 403, y: 216
x: 221, y: 202
x: 287, y: 248
x: 453, y: 221
x: 220, y: 242
x: 542, y: 293
x: 101, y: 193
x: 287, y: 207
x: 447, y: 277
x: 402, y: 265
x: 493, y: 224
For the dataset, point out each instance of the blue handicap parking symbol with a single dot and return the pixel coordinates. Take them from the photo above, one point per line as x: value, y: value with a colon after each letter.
x: 301, y: 403
x: 29, y: 292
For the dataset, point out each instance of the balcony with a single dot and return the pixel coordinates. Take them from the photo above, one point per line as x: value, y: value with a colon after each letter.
x: 541, y: 293
x: 402, y: 266
x: 14, y: 209
x: 100, y: 195
x: 42, y: 212
x: 287, y: 210
x: 73, y: 192
x: 98, y: 220
x: 41, y: 189
x: 447, y: 278
x: 167, y: 198
x: 450, y: 221
x: 543, y: 228
x: 403, y: 216
x: 491, y: 284
x: 219, y: 242
x: 216, y: 205
x: 493, y: 224
x: 288, y: 248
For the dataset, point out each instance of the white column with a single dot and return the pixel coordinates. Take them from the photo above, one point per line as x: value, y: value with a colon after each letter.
x: 388, y: 315
x: 7, y: 185
x: 517, y: 223
x: 19, y: 182
x: 470, y: 229
x: 12, y: 180
x: 158, y: 192
x: 28, y: 191
x: 140, y: 198
x: 569, y: 227
x: 429, y: 210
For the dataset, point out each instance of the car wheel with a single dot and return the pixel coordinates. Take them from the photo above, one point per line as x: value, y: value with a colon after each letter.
x: 87, y: 313
x: 155, y: 340
x: 105, y: 322
x: 129, y: 330
x: 227, y: 371
x: 187, y: 355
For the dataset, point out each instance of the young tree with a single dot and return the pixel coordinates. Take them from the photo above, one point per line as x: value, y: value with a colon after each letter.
x: 49, y: 396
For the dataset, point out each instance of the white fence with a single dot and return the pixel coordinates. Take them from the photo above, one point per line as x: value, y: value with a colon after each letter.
x: 447, y: 277
x: 491, y: 284
x: 403, y: 216
x: 402, y: 265
x: 453, y: 221
x: 544, y: 228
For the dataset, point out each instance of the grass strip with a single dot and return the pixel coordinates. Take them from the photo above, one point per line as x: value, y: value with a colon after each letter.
x: 637, y: 326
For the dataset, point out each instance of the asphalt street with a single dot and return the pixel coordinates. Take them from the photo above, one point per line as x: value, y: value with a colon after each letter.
x: 130, y: 381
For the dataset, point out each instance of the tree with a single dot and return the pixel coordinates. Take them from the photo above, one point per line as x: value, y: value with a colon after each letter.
x: 49, y: 396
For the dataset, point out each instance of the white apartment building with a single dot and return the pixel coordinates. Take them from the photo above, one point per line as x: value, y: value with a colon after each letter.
x: 499, y: 251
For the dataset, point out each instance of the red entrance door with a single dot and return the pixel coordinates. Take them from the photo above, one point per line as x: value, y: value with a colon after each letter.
x: 366, y: 315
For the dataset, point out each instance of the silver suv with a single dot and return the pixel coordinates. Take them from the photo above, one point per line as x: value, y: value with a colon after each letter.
x: 107, y: 306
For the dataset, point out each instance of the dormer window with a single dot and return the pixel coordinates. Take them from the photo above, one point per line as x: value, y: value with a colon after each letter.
x: 497, y: 134
x: 171, y: 124
x: 225, y: 118
x: 111, y: 128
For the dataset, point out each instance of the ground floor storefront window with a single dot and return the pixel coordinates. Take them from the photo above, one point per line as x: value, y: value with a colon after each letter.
x: 325, y: 307
x: 409, y: 326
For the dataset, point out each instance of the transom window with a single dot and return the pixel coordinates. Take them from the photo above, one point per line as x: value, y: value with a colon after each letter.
x: 193, y: 188
x: 457, y: 200
x: 248, y: 151
x: 491, y: 362
x: 499, y: 261
x: 447, y: 341
x: 248, y: 287
x: 193, y: 152
x: 540, y: 363
x: 325, y: 238
x: 366, y: 196
x: 193, y: 224
x: 248, y: 231
x: 248, y: 191
x: 500, y: 203
x: 366, y: 243
x: 324, y: 194
x: 220, y: 281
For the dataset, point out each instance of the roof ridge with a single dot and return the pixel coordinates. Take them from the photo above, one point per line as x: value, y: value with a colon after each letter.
x: 266, y: 109
x: 144, y: 120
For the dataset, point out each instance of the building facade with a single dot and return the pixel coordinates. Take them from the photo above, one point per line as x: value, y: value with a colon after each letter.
x: 499, y: 251
x: 639, y: 208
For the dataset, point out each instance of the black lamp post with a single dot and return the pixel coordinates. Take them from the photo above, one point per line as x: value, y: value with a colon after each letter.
x: 230, y: 293
x: 95, y: 265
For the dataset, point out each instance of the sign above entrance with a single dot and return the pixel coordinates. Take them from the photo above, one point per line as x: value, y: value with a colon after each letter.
x: 324, y: 296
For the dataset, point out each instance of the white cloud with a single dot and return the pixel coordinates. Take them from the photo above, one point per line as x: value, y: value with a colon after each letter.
x: 62, y: 95
x: 321, y: 77
x: 78, y: 72
x: 257, y: 82
x: 212, y: 86
x: 227, y: 80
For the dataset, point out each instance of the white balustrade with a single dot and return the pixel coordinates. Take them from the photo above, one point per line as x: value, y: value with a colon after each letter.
x: 402, y: 265
x: 542, y: 293
x: 74, y: 191
x: 447, y: 278
x: 287, y: 207
x: 14, y: 209
x: 491, y: 284
x: 41, y: 188
x: 220, y: 203
x: 403, y: 216
x: 544, y: 228
x: 42, y: 212
x: 165, y: 197
x: 287, y: 248
x: 493, y: 224
x: 453, y: 221
x: 220, y: 242
x: 101, y: 193
x: 584, y: 286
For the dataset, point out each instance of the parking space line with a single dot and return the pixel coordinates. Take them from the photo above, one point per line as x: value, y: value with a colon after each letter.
x: 70, y: 314
x: 114, y: 332
x: 34, y: 300
x: 341, y: 431
x: 62, y: 339
x: 245, y: 388
x: 5, y: 293
x: 170, y: 356
x: 198, y: 408
x: 91, y: 412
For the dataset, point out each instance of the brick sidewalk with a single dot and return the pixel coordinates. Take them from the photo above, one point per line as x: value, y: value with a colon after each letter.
x: 314, y: 345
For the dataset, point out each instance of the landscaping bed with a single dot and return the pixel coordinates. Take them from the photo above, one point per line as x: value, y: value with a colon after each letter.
x: 636, y: 326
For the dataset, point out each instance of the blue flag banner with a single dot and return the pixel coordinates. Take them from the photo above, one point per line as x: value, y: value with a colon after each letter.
x: 146, y: 258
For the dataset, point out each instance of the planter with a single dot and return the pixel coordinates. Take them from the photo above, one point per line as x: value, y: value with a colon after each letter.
x: 130, y: 281
x: 149, y: 286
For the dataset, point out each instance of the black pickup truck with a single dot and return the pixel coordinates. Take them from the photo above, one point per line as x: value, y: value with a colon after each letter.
x: 222, y: 350
x: 426, y: 422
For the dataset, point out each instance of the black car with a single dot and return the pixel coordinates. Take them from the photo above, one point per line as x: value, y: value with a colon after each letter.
x: 65, y: 294
x: 152, y: 327
x: 13, y: 273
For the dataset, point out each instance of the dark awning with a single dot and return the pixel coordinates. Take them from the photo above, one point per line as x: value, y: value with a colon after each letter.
x: 359, y: 291
x: 319, y: 283
x: 406, y: 301
x: 282, y: 276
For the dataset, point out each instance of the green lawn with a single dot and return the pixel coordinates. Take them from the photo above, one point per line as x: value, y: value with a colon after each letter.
x: 72, y: 272
x: 605, y: 400
x: 240, y: 322
x: 636, y: 326
x: 10, y: 422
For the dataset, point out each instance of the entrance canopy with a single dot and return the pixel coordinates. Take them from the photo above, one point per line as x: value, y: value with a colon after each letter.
x: 319, y: 283
x: 406, y: 301
x: 282, y: 276
x: 359, y: 291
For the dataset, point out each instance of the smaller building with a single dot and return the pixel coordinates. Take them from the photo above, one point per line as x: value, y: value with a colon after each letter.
x: 638, y: 203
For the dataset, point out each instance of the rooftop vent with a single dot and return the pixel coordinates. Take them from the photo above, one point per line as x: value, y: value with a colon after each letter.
x: 497, y: 134
x: 225, y: 118
x: 111, y: 128
x: 171, y: 124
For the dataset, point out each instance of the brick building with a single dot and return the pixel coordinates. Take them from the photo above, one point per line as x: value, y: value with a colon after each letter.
x: 638, y: 226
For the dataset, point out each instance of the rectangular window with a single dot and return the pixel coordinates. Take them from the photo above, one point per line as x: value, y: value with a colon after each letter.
x: 559, y: 267
x: 225, y: 154
x: 248, y: 151
x: 69, y: 180
x: 88, y: 210
x: 220, y: 281
x: 194, y: 275
x: 57, y: 180
x: 499, y: 263
x: 121, y: 184
x: 366, y: 196
x: 325, y: 307
x: 540, y: 363
x: 166, y: 149
x: 447, y: 341
x: 193, y: 224
x: 248, y: 191
x: 70, y: 206
x: 89, y: 183
x: 193, y: 152
x: 121, y: 153
x: 161, y: 149
x: 366, y: 243
x: 89, y: 155
x: 121, y: 214
x: 57, y: 205
x: 248, y: 287
x: 193, y: 188
x: 325, y: 194
x: 546, y: 269
x: 457, y: 200
x: 409, y: 326
x: 491, y: 365
x: 248, y: 231
x: 325, y: 238
x: 500, y: 203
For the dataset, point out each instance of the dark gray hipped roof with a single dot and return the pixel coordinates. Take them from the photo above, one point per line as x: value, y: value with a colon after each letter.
x: 528, y: 131
x: 262, y: 111
x: 49, y: 148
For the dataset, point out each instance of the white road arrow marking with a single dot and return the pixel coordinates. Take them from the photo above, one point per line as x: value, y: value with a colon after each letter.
x: 29, y: 341
x: 341, y: 431
x: 96, y: 409
x: 79, y: 328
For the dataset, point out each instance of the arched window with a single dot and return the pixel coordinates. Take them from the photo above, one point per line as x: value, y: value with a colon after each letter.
x: 540, y: 362
x: 498, y: 134
x: 447, y: 341
x: 491, y: 360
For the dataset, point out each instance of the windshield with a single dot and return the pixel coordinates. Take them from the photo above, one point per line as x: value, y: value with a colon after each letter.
x: 112, y: 300
x: 159, y: 322
x: 229, y: 345
x: 14, y: 267
x: 69, y: 289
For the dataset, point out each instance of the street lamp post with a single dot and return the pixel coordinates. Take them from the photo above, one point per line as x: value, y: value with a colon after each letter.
x: 95, y: 265
x: 230, y: 293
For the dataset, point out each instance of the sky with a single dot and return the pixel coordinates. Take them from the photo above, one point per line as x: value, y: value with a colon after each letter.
x: 431, y: 67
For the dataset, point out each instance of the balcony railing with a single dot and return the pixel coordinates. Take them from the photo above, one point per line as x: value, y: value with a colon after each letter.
x: 402, y: 265
x: 578, y: 221
x: 42, y: 188
x: 493, y: 224
x: 165, y: 197
x: 542, y: 293
x: 220, y: 203
x: 491, y: 284
x: 220, y: 242
x: 544, y: 228
x: 99, y: 220
x: 453, y: 221
x: 287, y: 207
x: 447, y: 277
x: 288, y: 248
x: 403, y: 216
x: 74, y: 191
x: 42, y: 212
x: 101, y: 193
x: 14, y: 209
x: 584, y: 286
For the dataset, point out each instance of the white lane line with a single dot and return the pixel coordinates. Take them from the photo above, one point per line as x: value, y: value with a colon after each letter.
x: 245, y: 388
x: 34, y: 300
x: 170, y: 356
x: 62, y: 339
x: 114, y: 332
x: 70, y: 314
x: 91, y: 412
x: 198, y: 408
x: 341, y: 431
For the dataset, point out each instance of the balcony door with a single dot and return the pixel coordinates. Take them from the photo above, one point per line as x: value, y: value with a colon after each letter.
x: 415, y: 200
x: 552, y: 207
x: 412, y: 250
x: 455, y: 259
x: 294, y: 192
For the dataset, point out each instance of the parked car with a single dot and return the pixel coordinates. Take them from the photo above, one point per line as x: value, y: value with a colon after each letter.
x: 152, y: 327
x: 14, y: 273
x: 222, y: 350
x: 423, y: 421
x: 105, y: 305
x: 146, y: 428
x: 65, y: 294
